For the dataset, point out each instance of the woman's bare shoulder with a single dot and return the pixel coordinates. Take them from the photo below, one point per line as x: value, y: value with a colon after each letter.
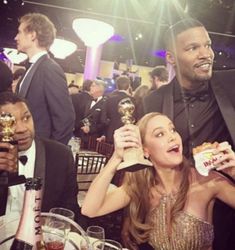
x: 209, y: 181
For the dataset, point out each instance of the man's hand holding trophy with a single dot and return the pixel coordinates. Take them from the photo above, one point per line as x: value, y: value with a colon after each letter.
x: 133, y: 158
x: 7, y: 142
x: 8, y: 158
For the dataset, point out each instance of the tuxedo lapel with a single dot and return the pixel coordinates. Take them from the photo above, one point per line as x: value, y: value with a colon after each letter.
x: 168, y: 102
x: 27, y: 80
x: 87, y: 109
x: 40, y: 161
x: 225, y: 106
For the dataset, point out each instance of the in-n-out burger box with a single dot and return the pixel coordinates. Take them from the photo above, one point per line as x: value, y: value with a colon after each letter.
x: 204, y: 157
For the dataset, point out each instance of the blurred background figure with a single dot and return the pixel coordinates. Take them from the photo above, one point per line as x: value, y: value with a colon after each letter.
x: 17, y: 75
x: 73, y: 88
x: 139, y: 95
x: 81, y: 102
x: 6, y: 77
x: 110, y: 116
x: 159, y: 76
x: 92, y: 120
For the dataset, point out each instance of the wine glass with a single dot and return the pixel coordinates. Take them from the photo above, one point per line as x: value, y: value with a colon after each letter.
x: 66, y: 213
x: 54, y: 235
x: 96, y: 232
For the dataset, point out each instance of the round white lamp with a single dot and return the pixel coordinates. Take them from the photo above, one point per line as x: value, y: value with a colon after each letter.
x: 94, y: 34
x: 62, y: 48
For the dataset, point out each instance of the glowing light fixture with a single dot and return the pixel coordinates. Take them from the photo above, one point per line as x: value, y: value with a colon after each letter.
x: 62, y: 48
x: 15, y: 56
x: 94, y: 34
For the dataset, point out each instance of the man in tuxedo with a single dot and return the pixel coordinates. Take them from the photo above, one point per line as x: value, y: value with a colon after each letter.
x: 200, y: 103
x: 110, y: 116
x: 44, y: 84
x: 159, y: 76
x: 81, y: 103
x: 45, y: 158
x: 92, y: 125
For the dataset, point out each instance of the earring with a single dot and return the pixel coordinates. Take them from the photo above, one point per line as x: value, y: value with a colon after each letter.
x: 147, y: 157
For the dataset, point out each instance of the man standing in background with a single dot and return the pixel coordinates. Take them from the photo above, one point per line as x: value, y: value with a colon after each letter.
x: 92, y: 125
x: 110, y: 116
x: 159, y: 76
x: 44, y: 84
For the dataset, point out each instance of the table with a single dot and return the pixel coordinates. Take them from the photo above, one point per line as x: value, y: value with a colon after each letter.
x: 75, y: 238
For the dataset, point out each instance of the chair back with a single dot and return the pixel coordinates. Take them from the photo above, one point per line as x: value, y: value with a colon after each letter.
x: 88, y: 166
x: 105, y: 148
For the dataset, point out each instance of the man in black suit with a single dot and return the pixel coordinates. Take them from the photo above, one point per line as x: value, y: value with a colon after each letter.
x: 45, y: 158
x: 81, y: 103
x: 92, y: 125
x: 44, y: 84
x: 201, y: 104
x: 110, y: 116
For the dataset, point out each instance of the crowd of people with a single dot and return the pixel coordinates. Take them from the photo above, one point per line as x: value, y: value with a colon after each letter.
x: 167, y: 206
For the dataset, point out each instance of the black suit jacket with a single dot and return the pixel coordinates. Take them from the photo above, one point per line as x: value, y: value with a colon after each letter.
x: 223, y: 87
x: 46, y: 92
x: 81, y: 103
x: 55, y: 165
x: 94, y: 116
x: 110, y: 116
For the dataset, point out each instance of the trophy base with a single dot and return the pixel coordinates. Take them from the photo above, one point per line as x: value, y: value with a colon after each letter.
x: 133, y: 160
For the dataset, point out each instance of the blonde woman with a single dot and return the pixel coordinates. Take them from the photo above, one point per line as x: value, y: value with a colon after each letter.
x: 170, y: 204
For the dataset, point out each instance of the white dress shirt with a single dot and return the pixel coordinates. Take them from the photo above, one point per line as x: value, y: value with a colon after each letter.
x: 32, y: 61
x: 94, y: 102
x: 16, y: 193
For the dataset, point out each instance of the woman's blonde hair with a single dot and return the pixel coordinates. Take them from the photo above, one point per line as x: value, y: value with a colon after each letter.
x: 138, y: 185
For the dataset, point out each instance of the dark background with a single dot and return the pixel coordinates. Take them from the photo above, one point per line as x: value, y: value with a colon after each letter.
x: 150, y: 18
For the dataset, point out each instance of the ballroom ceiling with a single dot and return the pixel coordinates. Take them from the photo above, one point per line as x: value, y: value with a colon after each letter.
x: 139, y: 26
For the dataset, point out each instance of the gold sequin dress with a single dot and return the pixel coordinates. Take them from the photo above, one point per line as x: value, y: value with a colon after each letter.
x: 187, y: 233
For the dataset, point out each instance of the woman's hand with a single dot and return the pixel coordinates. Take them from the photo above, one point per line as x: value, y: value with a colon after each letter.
x: 126, y: 137
x: 226, y: 156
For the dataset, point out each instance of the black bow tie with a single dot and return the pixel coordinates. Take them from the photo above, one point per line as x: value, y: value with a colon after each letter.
x: 23, y: 159
x: 198, y: 96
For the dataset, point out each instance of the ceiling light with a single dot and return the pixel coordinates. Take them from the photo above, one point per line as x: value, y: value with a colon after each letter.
x: 15, y: 56
x: 92, y: 32
x: 62, y: 48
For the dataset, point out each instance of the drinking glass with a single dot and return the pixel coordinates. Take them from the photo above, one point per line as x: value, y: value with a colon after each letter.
x: 54, y: 235
x: 96, y: 232
x: 75, y: 144
x: 63, y: 211
x: 66, y: 213
x: 106, y: 245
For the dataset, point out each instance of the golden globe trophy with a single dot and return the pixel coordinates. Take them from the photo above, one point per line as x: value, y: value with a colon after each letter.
x: 133, y: 158
x: 7, y: 124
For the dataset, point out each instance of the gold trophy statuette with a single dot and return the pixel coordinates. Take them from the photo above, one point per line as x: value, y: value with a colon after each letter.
x: 7, y: 123
x: 133, y: 158
x: 7, y: 129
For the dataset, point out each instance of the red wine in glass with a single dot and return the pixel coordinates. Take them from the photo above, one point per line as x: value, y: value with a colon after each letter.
x: 55, y: 245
